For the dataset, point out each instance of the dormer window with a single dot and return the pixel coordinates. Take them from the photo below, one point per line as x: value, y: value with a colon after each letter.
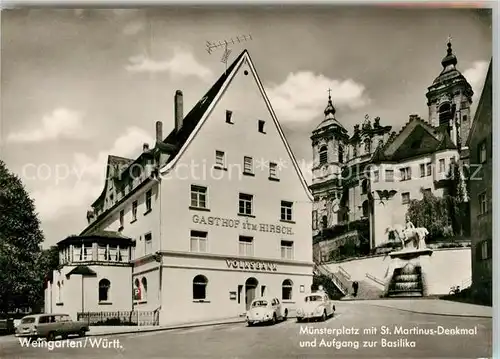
x: 229, y: 116
x: 261, y: 126
x: 323, y: 155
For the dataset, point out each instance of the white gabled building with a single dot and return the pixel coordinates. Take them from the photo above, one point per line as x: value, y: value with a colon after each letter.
x: 213, y: 215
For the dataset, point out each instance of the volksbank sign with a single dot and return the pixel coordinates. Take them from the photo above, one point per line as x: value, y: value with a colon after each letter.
x: 236, y: 223
x: 252, y: 265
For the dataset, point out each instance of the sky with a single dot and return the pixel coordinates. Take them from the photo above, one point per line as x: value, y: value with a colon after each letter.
x: 80, y: 84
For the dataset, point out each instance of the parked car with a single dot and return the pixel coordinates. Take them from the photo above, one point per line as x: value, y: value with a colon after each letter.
x: 315, y: 306
x: 7, y: 326
x: 266, y: 310
x: 50, y: 326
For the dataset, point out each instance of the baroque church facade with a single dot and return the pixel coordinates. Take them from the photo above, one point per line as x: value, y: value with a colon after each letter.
x: 367, y: 179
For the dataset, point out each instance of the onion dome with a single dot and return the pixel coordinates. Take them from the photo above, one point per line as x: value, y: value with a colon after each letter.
x: 450, y: 60
x: 330, y: 110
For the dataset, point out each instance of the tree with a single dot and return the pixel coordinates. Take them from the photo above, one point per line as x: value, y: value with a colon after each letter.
x: 20, y: 245
x: 432, y: 213
x: 458, y: 200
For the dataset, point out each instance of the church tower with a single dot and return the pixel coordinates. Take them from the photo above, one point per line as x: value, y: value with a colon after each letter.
x: 329, y: 144
x: 449, y: 99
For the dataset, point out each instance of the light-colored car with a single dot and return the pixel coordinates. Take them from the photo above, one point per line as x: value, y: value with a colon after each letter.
x: 50, y: 326
x: 316, y: 306
x: 264, y: 310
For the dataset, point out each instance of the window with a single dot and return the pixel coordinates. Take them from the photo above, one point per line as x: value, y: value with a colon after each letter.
x: 149, y: 194
x: 286, y: 211
x: 405, y: 173
x: 286, y: 290
x: 247, y: 165
x: 286, y: 249
x: 405, y: 197
x: 376, y: 177
x: 324, y: 221
x: 441, y: 165
x: 484, y: 250
x: 229, y: 116
x: 481, y: 150
x: 246, y: 246
x: 389, y: 175
x: 464, y: 118
x: 134, y: 211
x: 355, y: 150
x: 366, y: 209
x: 198, y: 196
x: 341, y: 154
x: 445, y: 114
x: 59, y: 292
x: 198, y: 241
x: 422, y: 170
x: 122, y: 215
x: 144, y: 283
x: 245, y: 204
x: 364, y: 186
x: 483, y: 203
x: 261, y: 126
x: 273, y: 170
x: 323, y: 155
x: 427, y: 192
x: 200, y: 287
x: 219, y: 159
x: 104, y: 286
x: 429, y: 169
x: 148, y: 240
x: 314, y: 220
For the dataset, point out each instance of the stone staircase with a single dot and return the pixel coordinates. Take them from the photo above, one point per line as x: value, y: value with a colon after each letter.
x: 336, y: 280
x: 406, y: 282
x: 366, y: 290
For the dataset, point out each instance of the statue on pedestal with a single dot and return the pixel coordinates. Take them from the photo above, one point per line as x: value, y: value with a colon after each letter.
x: 411, y: 237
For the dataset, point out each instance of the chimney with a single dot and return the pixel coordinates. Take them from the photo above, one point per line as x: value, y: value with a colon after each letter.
x: 159, y: 131
x: 145, y: 147
x: 178, y: 110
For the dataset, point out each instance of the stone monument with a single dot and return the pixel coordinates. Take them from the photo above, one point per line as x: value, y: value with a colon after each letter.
x: 408, y: 272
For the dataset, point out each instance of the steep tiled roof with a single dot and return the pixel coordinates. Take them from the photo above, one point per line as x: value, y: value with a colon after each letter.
x: 194, y: 116
x: 81, y: 270
x: 107, y: 236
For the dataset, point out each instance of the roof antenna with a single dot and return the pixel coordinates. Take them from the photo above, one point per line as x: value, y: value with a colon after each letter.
x: 212, y: 46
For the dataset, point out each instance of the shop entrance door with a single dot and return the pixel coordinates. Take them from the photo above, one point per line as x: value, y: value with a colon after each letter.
x: 250, y: 291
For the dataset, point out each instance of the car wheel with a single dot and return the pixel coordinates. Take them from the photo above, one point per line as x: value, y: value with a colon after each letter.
x: 64, y: 336
x: 299, y: 320
x: 51, y: 336
x: 81, y: 333
x: 323, y: 316
x: 274, y: 319
x: 249, y: 324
